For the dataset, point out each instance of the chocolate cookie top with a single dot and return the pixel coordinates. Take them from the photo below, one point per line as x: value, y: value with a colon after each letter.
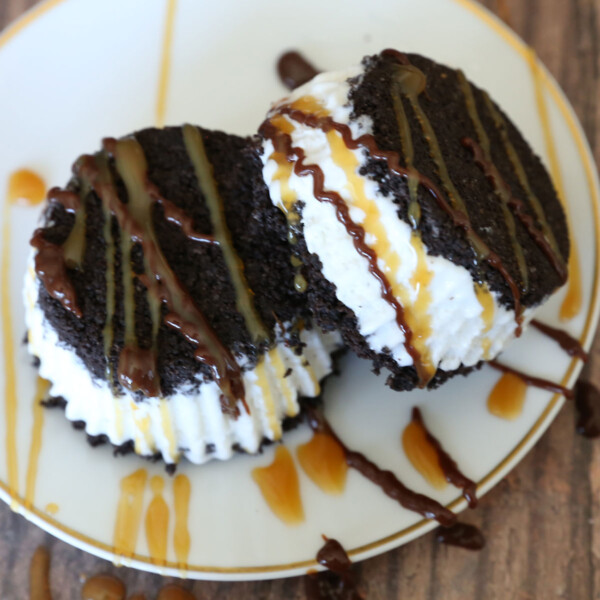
x: 458, y: 144
x: 208, y: 283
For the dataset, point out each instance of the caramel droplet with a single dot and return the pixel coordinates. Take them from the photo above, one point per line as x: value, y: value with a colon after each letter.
x: 174, y: 592
x: 280, y: 487
x: 52, y: 508
x: 507, y: 398
x: 324, y: 462
x: 423, y: 455
x: 26, y: 188
x: 103, y: 587
x: 157, y: 521
x: 182, y: 491
x: 39, y: 575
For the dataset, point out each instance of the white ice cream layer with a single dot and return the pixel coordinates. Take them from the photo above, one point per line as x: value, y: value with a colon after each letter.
x: 191, y: 419
x: 458, y: 332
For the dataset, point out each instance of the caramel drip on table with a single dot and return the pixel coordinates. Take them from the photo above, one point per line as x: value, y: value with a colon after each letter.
x: 544, y: 384
x: 386, y: 480
x: 323, y: 460
x: 461, y: 535
x: 182, y: 492
x: 103, y: 587
x: 507, y: 397
x: 42, y: 387
x: 501, y: 190
x: 282, y: 143
x: 428, y: 456
x: 157, y: 521
x: 129, y: 512
x: 39, y: 575
x: 174, y: 592
x: 204, y: 173
x: 568, y: 343
x: 280, y: 487
x: 573, y: 300
x: 294, y: 70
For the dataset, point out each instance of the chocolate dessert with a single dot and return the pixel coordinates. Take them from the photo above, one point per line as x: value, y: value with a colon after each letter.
x: 429, y: 230
x: 161, y: 301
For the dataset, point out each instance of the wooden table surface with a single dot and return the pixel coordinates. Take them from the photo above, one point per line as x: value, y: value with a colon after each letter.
x: 542, y: 522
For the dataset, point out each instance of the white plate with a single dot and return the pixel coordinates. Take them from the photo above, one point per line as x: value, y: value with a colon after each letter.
x: 78, y: 71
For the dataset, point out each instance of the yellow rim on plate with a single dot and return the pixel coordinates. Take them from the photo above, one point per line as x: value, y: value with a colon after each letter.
x: 483, y: 485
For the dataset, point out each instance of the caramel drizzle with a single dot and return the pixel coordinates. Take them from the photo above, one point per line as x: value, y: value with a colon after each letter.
x: 386, y: 480
x: 39, y: 575
x: 484, y: 161
x: 244, y: 294
x: 502, y: 188
x: 460, y: 219
x: 414, y: 208
x: 103, y: 587
x: 539, y: 382
x: 500, y: 124
x: 448, y: 465
x: 282, y: 143
x: 137, y: 366
x: 412, y: 82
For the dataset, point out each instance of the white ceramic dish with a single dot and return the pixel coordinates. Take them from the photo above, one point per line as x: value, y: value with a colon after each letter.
x: 75, y: 71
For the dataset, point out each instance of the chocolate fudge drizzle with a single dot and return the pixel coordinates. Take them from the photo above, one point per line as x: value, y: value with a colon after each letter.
x: 339, y: 582
x: 543, y: 384
x: 448, y: 465
x: 165, y: 294
x: 587, y: 403
x: 513, y: 156
x: 294, y: 70
x: 493, y: 175
x: 461, y: 535
x: 282, y: 143
x: 567, y: 342
x: 386, y: 480
x: 50, y: 259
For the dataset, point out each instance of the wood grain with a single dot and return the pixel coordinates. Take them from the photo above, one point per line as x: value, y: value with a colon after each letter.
x: 542, y: 522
